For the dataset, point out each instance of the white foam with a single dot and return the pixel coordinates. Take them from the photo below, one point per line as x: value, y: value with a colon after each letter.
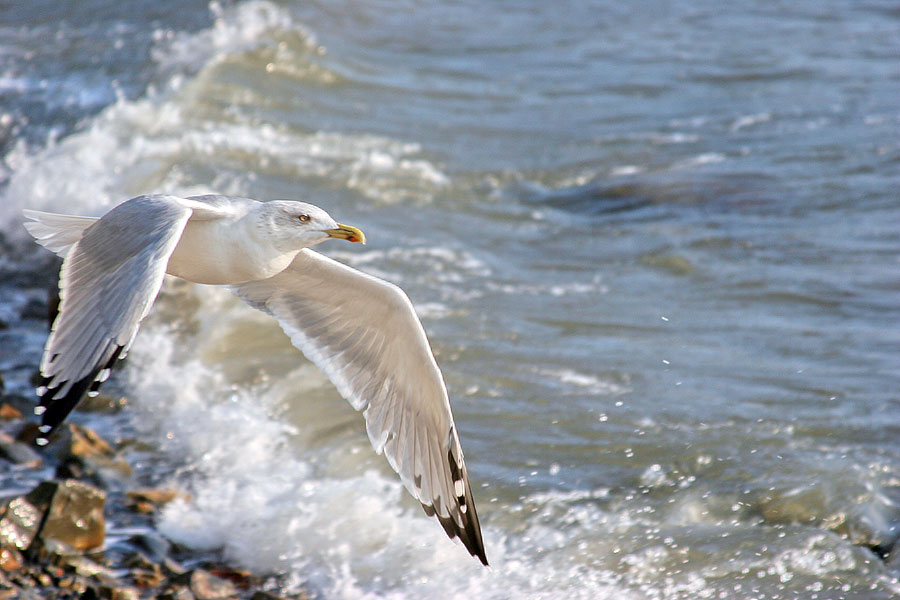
x: 139, y: 146
x: 114, y: 159
x: 278, y: 494
x: 594, y: 285
x: 279, y: 469
x: 593, y: 384
x: 750, y: 120
x: 707, y: 158
x: 236, y: 28
x: 625, y: 170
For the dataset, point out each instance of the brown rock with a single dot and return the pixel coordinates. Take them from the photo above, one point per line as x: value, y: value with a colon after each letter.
x: 19, y: 524
x: 144, y: 572
x: 73, y: 584
x: 239, y: 577
x: 8, y: 411
x: 86, y: 442
x: 147, y: 578
x: 145, y: 508
x: 177, y: 593
x: 148, y: 500
x: 139, y: 560
x: 10, y: 559
x: 206, y: 586
x: 23, y: 405
x: 84, y: 454
x: 74, y: 515
x: 86, y: 567
x: 115, y: 592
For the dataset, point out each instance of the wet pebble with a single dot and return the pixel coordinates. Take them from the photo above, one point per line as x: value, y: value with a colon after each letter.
x: 148, y: 500
x: 206, y: 586
x: 176, y: 593
x: 84, y: 454
x: 73, y: 517
x: 19, y: 453
x: 52, y: 539
x: 9, y: 412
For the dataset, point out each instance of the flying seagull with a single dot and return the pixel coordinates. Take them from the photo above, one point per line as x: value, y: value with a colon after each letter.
x: 360, y: 330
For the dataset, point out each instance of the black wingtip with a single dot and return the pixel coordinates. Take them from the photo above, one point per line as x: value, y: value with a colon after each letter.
x: 469, y: 535
x: 54, y: 411
x: 470, y: 531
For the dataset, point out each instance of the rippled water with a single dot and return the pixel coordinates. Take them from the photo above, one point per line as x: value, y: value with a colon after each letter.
x: 655, y: 248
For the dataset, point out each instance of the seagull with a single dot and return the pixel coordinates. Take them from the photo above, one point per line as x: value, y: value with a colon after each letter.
x: 360, y: 330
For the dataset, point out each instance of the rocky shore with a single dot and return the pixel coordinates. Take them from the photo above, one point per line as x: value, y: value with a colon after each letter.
x: 74, y: 524
x: 77, y: 516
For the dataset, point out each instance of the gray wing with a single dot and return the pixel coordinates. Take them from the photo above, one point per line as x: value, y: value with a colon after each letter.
x: 364, y: 334
x: 107, y: 284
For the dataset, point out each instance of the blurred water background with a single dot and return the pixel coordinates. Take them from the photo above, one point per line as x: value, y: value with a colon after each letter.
x: 655, y: 247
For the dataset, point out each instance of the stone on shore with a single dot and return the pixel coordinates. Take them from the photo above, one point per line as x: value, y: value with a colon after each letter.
x: 149, y: 500
x: 73, y: 517
x: 84, y: 454
x: 9, y: 412
x: 16, y: 404
x: 19, y: 523
x: 206, y: 586
x: 10, y: 559
x: 18, y: 452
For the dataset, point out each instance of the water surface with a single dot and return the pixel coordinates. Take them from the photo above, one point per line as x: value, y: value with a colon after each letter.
x: 655, y: 250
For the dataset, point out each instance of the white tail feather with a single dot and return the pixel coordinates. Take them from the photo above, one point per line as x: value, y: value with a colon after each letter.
x: 54, y: 232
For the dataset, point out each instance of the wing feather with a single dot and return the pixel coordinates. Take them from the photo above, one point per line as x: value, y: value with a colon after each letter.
x: 364, y: 334
x: 55, y: 232
x: 108, y: 282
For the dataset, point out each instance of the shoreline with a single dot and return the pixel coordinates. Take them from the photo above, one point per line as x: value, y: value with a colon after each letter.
x: 86, y: 528
x: 77, y: 517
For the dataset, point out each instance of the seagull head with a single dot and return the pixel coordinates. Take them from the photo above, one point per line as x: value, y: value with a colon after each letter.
x: 301, y: 225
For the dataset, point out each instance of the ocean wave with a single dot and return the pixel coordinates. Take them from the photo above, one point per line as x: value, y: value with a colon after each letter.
x: 171, y: 140
x: 274, y: 495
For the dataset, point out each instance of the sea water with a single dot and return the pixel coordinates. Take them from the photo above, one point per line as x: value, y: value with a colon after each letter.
x: 654, y: 246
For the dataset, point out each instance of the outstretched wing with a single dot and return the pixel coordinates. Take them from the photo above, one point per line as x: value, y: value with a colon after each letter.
x: 108, y: 282
x: 364, y: 334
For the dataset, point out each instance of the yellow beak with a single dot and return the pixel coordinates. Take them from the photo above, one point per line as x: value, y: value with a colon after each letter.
x: 347, y: 232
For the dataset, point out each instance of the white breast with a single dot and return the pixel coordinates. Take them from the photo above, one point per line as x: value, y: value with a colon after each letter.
x: 224, y: 252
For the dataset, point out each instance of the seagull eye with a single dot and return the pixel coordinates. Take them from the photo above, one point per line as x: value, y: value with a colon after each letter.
x: 303, y: 218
